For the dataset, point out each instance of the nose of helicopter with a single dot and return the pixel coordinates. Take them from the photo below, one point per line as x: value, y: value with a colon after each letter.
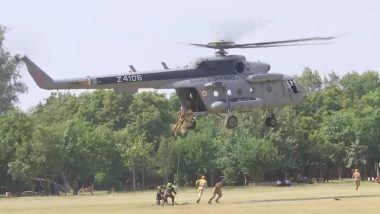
x: 296, y: 91
x: 298, y: 97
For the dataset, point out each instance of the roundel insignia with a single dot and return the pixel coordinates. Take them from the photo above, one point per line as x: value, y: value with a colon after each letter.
x: 204, y: 93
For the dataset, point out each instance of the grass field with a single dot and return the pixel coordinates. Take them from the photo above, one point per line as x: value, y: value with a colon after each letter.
x: 311, y: 198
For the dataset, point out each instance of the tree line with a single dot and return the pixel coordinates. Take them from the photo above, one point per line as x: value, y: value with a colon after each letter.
x: 125, y: 141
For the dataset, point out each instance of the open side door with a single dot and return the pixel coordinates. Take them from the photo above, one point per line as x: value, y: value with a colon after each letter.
x: 190, y: 99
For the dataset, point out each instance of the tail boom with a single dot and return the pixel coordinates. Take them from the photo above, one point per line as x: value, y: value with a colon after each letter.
x: 44, y: 81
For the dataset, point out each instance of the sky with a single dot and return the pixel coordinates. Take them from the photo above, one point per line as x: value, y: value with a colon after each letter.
x: 79, y: 38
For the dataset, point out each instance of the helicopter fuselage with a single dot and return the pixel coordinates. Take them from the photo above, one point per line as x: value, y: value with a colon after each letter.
x: 219, y: 84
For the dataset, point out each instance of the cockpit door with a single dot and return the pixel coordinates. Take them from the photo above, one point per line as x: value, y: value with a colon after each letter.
x: 290, y: 87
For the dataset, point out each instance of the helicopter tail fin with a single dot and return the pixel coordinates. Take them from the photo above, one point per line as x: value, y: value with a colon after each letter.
x: 39, y: 76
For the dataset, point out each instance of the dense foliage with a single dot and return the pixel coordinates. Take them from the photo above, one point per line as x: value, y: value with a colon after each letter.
x: 10, y: 86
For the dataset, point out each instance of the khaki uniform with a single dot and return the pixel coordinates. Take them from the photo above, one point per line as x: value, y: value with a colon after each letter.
x: 184, y: 118
x: 217, y: 190
x: 356, y: 175
x: 201, y: 185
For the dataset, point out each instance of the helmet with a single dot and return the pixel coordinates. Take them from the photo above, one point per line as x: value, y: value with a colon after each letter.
x: 169, y: 184
x: 159, y: 187
x: 356, y: 170
x: 203, y: 177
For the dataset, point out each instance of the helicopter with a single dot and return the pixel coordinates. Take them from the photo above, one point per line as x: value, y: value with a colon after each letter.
x: 207, y: 85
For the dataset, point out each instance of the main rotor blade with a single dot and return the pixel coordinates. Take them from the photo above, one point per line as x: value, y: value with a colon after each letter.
x: 286, y: 41
x: 203, y: 45
x: 281, y: 45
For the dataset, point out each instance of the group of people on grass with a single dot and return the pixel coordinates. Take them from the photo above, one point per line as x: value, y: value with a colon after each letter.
x: 168, y: 191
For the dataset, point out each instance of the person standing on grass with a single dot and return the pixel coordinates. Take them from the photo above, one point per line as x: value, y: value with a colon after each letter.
x: 356, y: 175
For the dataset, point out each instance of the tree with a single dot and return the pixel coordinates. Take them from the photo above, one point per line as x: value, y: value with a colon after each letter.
x: 105, y: 107
x: 245, y: 154
x: 16, y: 129
x: 109, y: 161
x: 58, y: 107
x: 136, y: 152
x: 284, y: 137
x: 332, y: 79
x: 149, y: 114
x: 164, y: 162
x: 356, y: 85
x: 367, y: 123
x: 65, y: 150
x: 198, y: 153
x: 337, y: 131
x: 356, y: 154
x: 10, y: 86
x: 310, y: 81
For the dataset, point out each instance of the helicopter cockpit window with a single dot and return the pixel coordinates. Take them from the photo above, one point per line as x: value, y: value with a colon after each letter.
x: 239, y: 67
x: 292, y: 86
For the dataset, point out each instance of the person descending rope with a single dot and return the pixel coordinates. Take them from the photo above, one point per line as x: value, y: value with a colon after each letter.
x: 177, y: 128
x: 184, y: 122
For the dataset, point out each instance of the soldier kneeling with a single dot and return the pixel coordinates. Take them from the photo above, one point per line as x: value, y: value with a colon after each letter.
x: 169, y: 193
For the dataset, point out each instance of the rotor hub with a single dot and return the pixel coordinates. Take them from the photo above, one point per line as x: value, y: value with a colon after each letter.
x: 221, y: 46
x: 221, y: 43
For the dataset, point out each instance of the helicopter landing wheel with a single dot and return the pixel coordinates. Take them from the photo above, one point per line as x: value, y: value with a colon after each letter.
x: 231, y: 121
x: 191, y: 125
x: 271, y: 121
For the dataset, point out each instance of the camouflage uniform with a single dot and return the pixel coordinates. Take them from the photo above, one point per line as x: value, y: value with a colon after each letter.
x: 159, y: 195
x: 169, y: 194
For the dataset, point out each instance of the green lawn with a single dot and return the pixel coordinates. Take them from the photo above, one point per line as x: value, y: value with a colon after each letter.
x: 312, y: 198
